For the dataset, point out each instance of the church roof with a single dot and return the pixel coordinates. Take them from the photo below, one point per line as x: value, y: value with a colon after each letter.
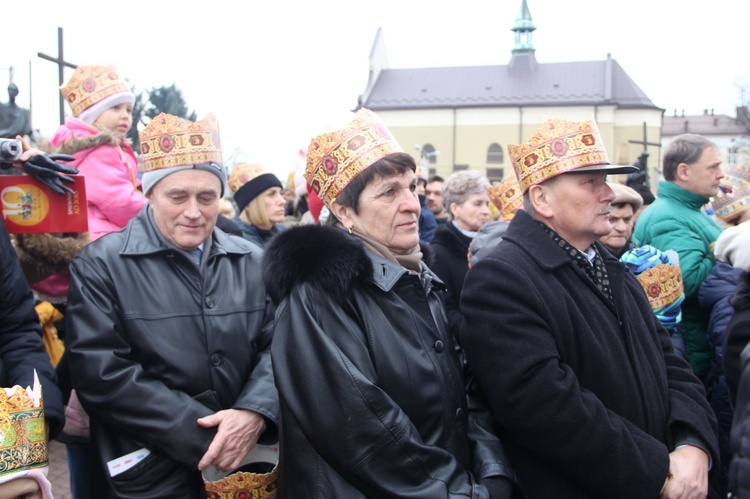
x: 527, y: 84
x: 702, y: 124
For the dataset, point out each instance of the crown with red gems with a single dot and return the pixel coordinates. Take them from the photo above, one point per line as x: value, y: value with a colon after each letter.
x: 172, y: 141
x: 91, y: 84
x: 335, y: 158
x: 558, y: 146
x: 733, y: 204
x: 23, y: 437
x: 245, y: 484
x: 507, y: 196
x: 663, y: 284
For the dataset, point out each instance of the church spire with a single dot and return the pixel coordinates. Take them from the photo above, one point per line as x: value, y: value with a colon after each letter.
x: 523, y: 30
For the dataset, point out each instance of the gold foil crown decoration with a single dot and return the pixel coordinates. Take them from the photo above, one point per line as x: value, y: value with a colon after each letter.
x: 731, y: 205
x: 662, y: 284
x: 246, y: 484
x: 507, y: 196
x: 335, y: 158
x: 23, y: 438
x: 90, y: 84
x: 556, y: 147
x: 171, y: 141
x: 243, y: 173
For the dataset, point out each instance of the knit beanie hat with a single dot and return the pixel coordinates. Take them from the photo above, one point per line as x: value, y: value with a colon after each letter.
x: 248, y: 180
x: 661, y: 279
x: 733, y: 246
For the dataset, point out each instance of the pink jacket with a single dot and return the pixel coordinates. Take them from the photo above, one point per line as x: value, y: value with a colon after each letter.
x: 110, y: 168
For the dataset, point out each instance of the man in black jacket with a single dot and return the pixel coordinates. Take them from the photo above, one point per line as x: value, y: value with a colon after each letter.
x: 589, y: 397
x: 170, y: 329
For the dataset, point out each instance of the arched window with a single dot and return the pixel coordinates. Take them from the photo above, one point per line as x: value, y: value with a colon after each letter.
x: 495, y: 154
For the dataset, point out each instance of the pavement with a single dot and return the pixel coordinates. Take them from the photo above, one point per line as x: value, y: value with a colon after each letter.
x: 58, y: 470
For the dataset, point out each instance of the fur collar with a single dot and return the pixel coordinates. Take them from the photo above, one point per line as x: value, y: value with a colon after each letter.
x: 103, y: 138
x: 42, y: 255
x: 322, y: 255
x: 741, y: 298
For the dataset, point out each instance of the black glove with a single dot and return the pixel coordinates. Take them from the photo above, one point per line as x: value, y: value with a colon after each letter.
x: 499, y: 487
x: 44, y: 168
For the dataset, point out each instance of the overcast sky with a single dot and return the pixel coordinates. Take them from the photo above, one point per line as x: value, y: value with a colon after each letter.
x: 278, y: 73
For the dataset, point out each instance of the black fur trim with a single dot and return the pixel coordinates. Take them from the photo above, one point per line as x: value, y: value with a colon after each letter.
x: 324, y: 256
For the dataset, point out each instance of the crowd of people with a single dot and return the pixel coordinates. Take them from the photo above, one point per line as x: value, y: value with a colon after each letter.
x: 367, y: 330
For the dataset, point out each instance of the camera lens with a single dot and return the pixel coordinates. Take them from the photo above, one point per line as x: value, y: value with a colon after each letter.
x: 10, y: 149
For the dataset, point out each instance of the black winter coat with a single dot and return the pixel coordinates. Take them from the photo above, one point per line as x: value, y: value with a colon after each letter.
x: 372, y: 394
x: 588, y: 395
x: 738, y: 334
x: 451, y: 262
x: 21, y: 347
x: 155, y: 343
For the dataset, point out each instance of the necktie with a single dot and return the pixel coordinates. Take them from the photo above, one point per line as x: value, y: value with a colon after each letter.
x: 196, y: 255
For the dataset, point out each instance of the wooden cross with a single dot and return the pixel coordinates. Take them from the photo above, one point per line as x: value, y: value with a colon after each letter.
x: 61, y: 63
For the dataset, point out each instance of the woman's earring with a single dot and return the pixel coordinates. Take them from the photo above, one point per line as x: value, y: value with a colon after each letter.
x: 350, y: 230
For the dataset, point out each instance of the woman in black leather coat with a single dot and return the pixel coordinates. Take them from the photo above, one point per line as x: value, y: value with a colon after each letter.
x: 372, y: 387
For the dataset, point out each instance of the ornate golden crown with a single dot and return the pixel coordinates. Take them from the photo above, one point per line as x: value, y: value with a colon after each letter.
x: 23, y: 438
x: 556, y: 147
x: 243, y: 484
x: 90, y: 84
x: 243, y: 173
x: 335, y: 158
x: 171, y: 141
x: 733, y: 204
x: 507, y: 196
x: 663, y: 284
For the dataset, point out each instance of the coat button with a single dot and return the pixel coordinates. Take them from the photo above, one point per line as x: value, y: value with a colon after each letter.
x: 216, y: 359
x: 210, y: 302
x: 459, y: 414
x: 439, y: 346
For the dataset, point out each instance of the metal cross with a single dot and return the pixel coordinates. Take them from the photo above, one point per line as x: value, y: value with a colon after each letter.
x: 61, y: 63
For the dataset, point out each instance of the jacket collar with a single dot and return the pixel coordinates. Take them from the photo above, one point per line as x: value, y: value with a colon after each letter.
x: 143, y: 238
x: 669, y: 190
x: 386, y: 273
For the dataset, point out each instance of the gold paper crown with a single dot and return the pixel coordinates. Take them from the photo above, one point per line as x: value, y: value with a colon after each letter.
x: 244, y: 484
x: 90, y: 84
x: 733, y: 204
x: 335, y: 158
x: 663, y: 284
x: 556, y: 147
x: 243, y: 173
x: 171, y: 141
x: 507, y: 196
x: 23, y: 438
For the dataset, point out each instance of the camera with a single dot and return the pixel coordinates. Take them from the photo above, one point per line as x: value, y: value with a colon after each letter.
x: 10, y: 150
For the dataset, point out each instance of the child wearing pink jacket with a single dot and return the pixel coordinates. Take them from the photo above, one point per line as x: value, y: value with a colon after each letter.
x: 102, y: 106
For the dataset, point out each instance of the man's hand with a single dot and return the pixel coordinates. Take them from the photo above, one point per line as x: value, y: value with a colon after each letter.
x: 238, y: 431
x: 688, y: 474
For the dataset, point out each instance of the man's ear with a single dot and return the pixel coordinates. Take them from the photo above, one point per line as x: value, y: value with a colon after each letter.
x: 539, y: 195
x: 342, y: 213
x: 683, y: 172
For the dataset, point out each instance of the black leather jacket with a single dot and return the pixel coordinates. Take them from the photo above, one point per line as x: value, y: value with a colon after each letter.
x: 155, y: 344
x: 372, y: 392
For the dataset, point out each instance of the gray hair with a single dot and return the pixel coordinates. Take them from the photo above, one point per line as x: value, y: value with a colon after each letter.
x: 686, y: 148
x: 460, y: 185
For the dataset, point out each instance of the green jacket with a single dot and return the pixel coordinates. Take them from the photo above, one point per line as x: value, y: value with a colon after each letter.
x: 675, y: 221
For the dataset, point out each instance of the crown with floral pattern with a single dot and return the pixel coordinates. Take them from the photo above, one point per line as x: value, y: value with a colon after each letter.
x: 507, y: 196
x: 732, y: 204
x: 244, y: 484
x: 23, y: 437
x: 559, y: 146
x: 91, y: 84
x: 335, y: 158
x: 662, y: 284
x: 172, y: 141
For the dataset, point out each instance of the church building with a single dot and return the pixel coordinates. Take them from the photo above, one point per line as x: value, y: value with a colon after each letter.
x: 457, y: 118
